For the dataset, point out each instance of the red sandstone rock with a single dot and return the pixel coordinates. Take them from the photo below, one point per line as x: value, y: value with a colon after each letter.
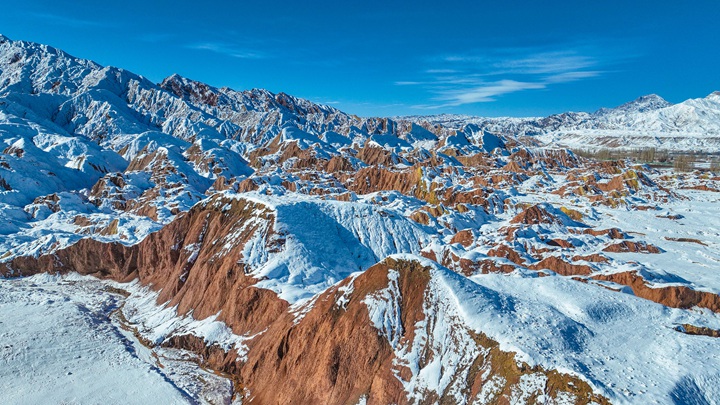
x: 634, y: 247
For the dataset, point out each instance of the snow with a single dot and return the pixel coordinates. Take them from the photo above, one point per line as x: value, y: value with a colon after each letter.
x: 453, y: 352
x: 346, y: 291
x: 336, y: 139
x: 60, y: 342
x: 490, y: 389
x: 324, y: 242
x: 647, y: 122
x: 57, y: 230
x: 384, y: 310
x: 624, y: 346
x: 158, y: 323
x: 389, y: 142
x: 304, y: 139
x: 684, y: 263
x: 68, y: 125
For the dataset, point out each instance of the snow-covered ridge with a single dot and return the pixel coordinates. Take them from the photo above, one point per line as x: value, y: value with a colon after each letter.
x: 79, y: 95
x: 69, y: 125
x: 316, y: 243
x: 557, y: 323
x: 647, y: 122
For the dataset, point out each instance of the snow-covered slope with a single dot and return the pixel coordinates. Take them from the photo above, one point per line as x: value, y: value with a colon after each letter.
x: 61, y: 342
x: 556, y: 323
x: 323, y: 242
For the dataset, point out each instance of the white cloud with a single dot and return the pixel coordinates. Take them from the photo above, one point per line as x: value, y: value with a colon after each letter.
x: 572, y: 76
x: 486, y: 92
x: 545, y: 63
x: 441, y: 71
x: 479, y: 78
x: 228, y: 50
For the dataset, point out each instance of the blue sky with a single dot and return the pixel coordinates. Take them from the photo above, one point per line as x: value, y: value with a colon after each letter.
x: 511, y: 58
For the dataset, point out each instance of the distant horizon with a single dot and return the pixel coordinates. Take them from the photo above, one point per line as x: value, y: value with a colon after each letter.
x: 374, y: 59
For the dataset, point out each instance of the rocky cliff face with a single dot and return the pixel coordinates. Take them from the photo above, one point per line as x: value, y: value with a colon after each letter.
x: 348, y: 343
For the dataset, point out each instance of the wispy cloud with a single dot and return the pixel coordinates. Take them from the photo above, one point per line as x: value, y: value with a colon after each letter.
x: 486, y: 91
x: 441, y: 71
x: 481, y: 77
x: 518, y: 62
x: 228, y: 49
x: 572, y: 76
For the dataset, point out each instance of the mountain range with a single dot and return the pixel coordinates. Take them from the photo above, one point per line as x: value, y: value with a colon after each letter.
x: 307, y: 255
x: 647, y: 122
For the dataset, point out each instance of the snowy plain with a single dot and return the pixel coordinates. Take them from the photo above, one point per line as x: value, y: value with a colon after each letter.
x: 62, y: 343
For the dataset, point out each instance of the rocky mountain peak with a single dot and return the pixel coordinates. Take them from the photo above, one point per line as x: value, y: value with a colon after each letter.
x: 641, y: 104
x: 190, y: 90
x: 650, y: 101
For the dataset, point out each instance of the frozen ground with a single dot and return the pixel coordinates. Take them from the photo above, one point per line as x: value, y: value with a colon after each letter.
x: 686, y: 228
x: 626, y: 347
x: 61, y: 343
